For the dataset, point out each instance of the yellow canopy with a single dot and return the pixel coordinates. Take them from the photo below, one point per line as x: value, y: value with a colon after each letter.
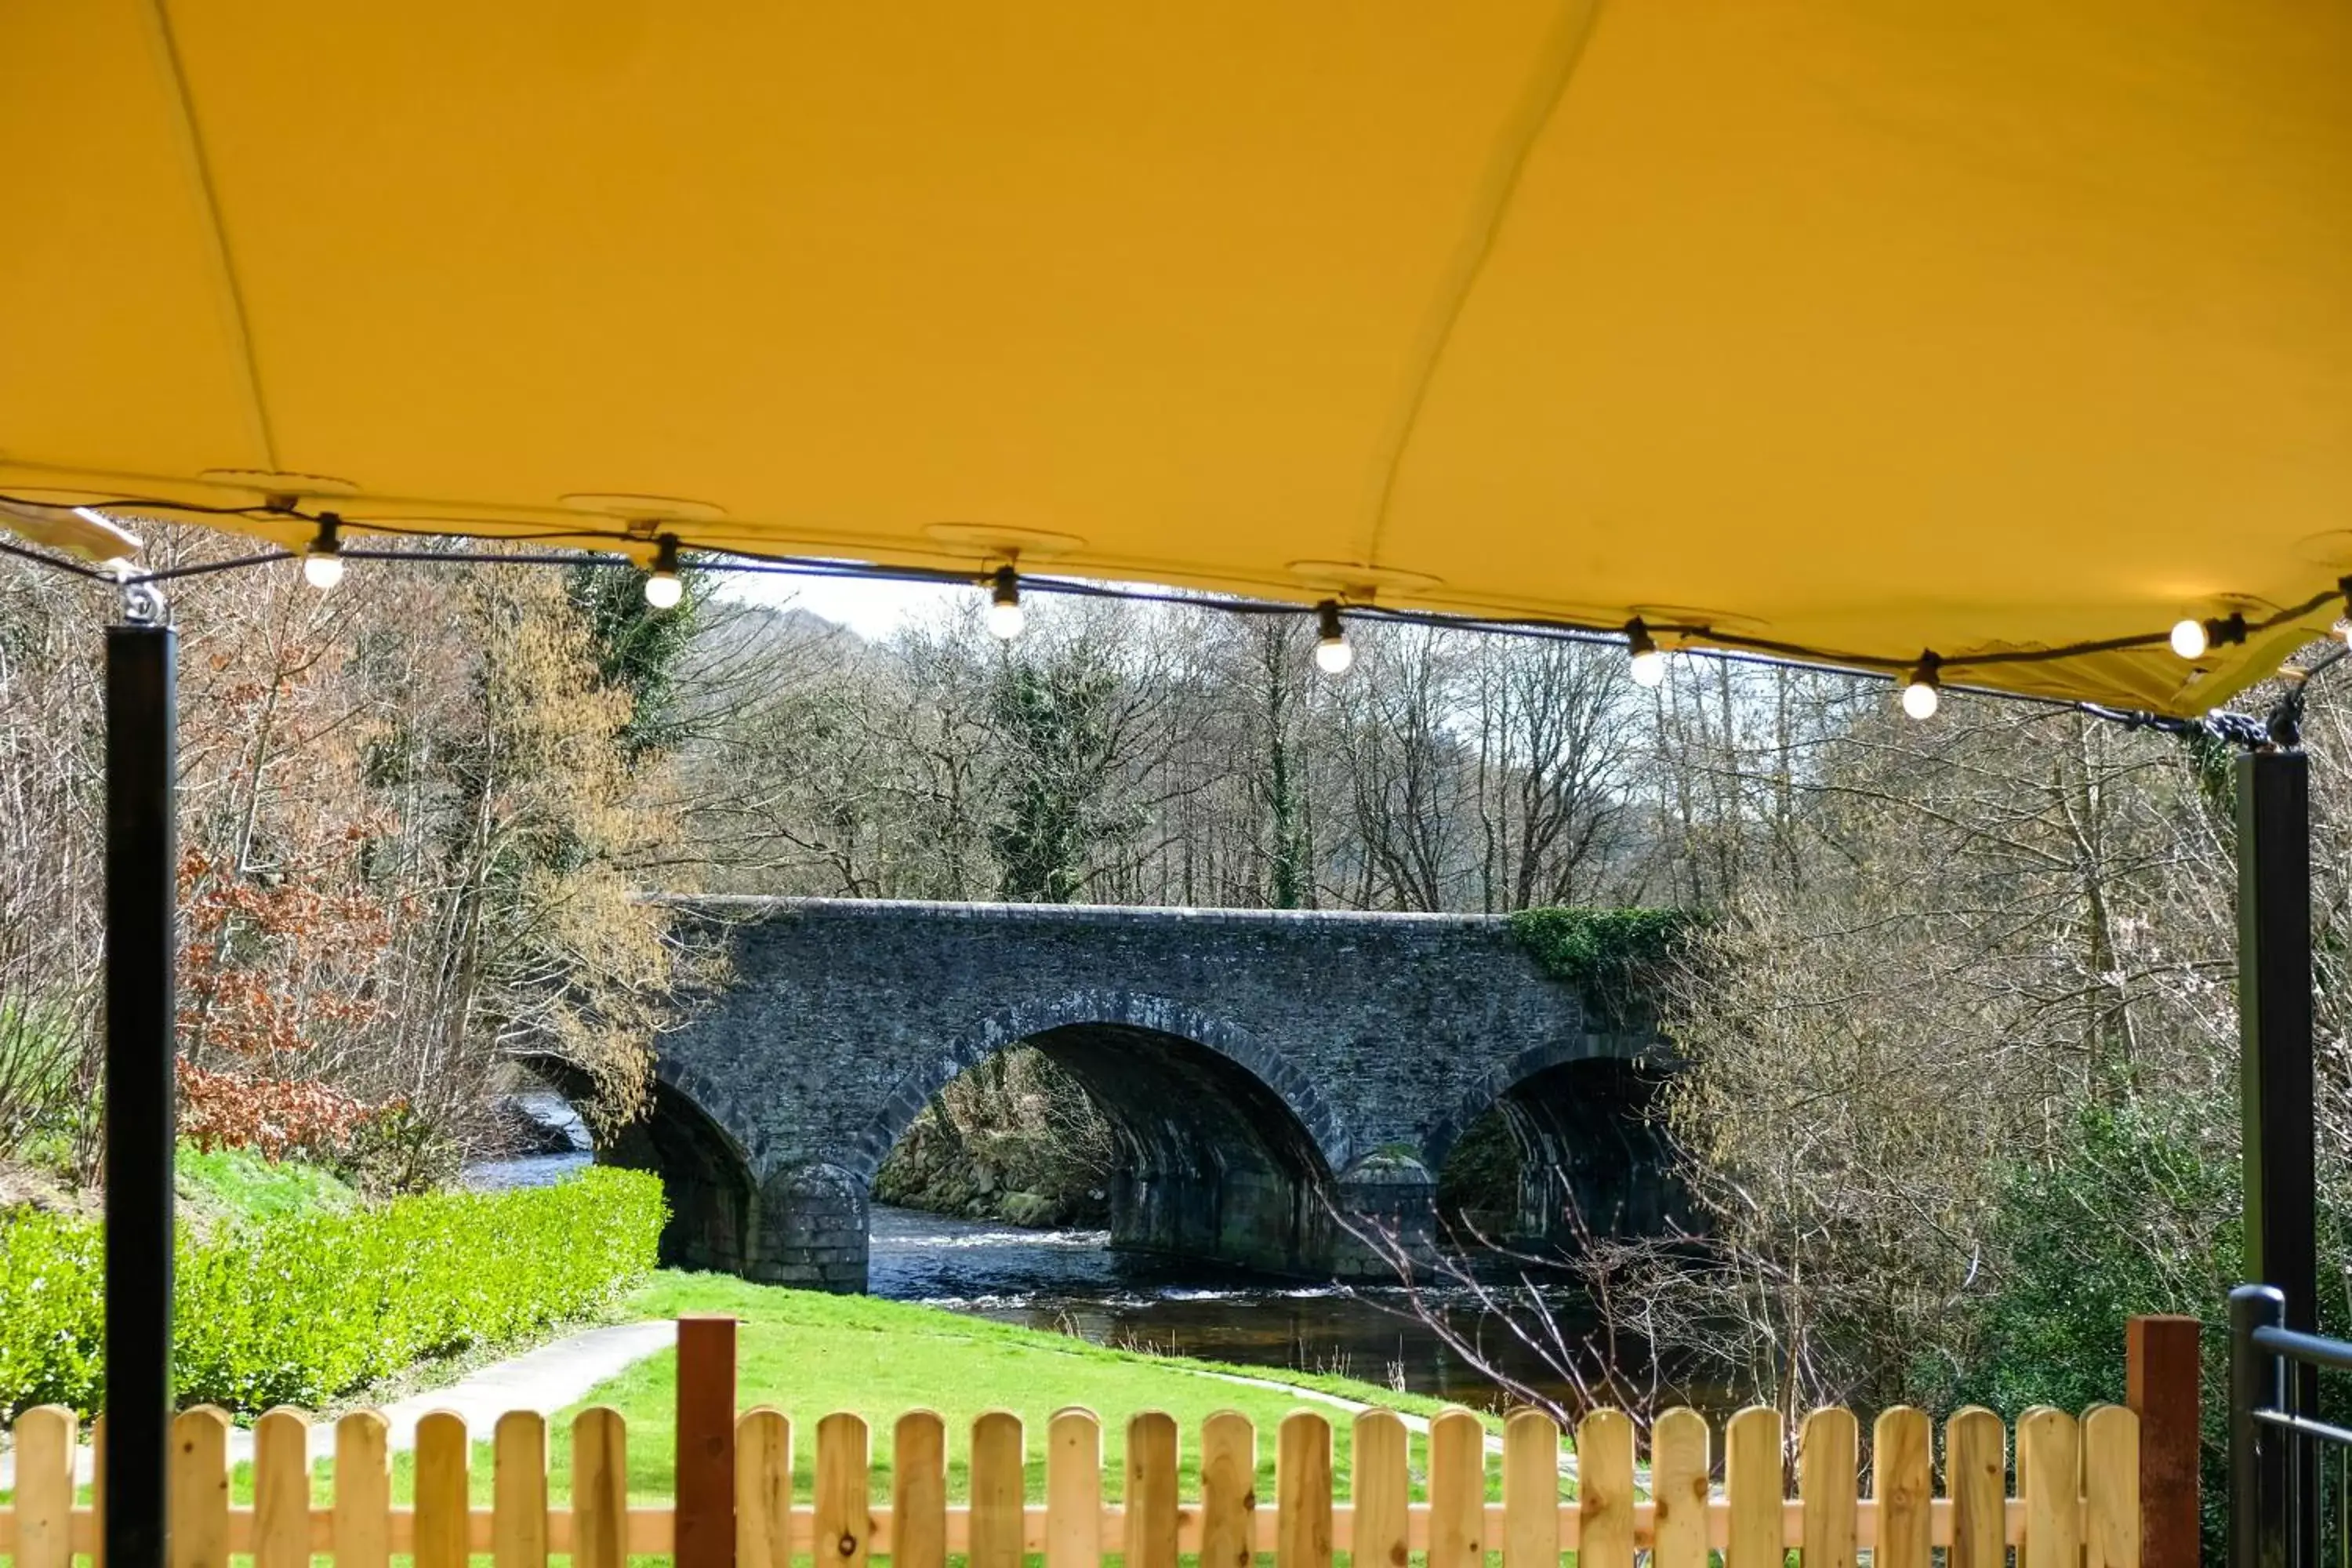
x: 1867, y: 326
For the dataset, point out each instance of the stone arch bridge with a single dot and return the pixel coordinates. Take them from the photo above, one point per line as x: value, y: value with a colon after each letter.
x: 1276, y: 1079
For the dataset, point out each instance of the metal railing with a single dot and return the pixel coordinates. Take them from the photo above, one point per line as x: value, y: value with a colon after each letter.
x: 2279, y: 1488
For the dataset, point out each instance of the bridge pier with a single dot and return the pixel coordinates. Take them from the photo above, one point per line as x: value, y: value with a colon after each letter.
x: 1382, y: 1208
x: 810, y: 1230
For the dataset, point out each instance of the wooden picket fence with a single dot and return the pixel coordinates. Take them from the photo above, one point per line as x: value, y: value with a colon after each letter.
x: 2078, y: 1503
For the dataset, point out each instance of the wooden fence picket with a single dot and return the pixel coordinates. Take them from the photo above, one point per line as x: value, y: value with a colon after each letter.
x: 600, y: 1489
x: 1531, y: 1491
x: 199, y: 1474
x: 1151, y: 1509
x: 763, y: 1487
x: 1903, y: 1485
x: 281, y: 1489
x: 1976, y: 1472
x: 1073, y: 1490
x: 842, y: 1526
x: 1755, y: 1487
x: 1828, y: 1467
x: 1302, y: 1491
x: 918, y: 1491
x: 1228, y: 1491
x: 2111, y: 1504
x: 996, y: 1491
x: 444, y: 1491
x: 44, y: 1488
x: 2079, y: 1501
x: 1604, y: 1490
x: 1679, y: 1448
x: 362, y: 1505
x: 97, y: 1489
x: 1382, y: 1492
x: 519, y: 1490
x: 2049, y: 1472
x: 1457, y: 1490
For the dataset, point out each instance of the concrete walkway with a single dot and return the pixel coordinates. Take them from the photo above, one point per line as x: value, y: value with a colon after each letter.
x: 545, y: 1380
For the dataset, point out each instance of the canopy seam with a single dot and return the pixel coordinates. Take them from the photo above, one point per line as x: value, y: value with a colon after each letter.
x: 229, y: 295
x: 1556, y: 66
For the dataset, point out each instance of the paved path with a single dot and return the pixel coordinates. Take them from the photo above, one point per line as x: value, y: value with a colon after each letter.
x: 545, y: 1380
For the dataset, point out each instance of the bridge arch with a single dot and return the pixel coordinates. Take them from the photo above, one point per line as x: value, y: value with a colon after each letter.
x: 1064, y: 1016
x: 1592, y: 1155
x: 1226, y: 1151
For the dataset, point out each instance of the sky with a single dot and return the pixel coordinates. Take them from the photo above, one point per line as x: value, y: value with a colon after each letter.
x: 871, y: 607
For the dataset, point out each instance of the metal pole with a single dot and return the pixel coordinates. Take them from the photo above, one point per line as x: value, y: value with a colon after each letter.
x: 2275, y: 1074
x: 2257, y: 1458
x: 142, y: 866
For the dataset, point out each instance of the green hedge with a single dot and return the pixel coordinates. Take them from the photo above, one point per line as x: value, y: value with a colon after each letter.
x: 300, y: 1309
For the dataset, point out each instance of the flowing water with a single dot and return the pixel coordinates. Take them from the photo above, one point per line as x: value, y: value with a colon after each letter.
x: 1071, y: 1281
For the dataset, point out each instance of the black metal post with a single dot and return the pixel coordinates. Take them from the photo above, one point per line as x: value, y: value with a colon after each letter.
x: 141, y: 868
x: 2258, y: 1480
x: 2275, y: 1076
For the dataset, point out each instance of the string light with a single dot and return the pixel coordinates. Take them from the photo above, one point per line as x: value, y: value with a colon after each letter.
x: 1723, y: 643
x: 664, y: 587
x: 1924, y: 693
x: 1004, y: 616
x: 2190, y: 638
x: 1648, y: 665
x: 322, y: 558
x: 1332, y: 653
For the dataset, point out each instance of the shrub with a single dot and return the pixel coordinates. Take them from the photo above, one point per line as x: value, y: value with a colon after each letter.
x: 302, y: 1309
x: 1615, y: 957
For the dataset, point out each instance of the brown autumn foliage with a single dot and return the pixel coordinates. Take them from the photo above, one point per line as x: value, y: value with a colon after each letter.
x: 408, y: 836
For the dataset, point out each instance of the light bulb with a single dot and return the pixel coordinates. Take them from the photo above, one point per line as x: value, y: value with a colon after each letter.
x: 2188, y: 638
x: 1004, y: 617
x: 664, y: 587
x: 1648, y: 665
x: 1923, y: 695
x: 1332, y: 653
x: 322, y: 558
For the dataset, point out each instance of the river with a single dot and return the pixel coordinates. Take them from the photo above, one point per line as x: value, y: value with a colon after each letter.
x: 1071, y: 1281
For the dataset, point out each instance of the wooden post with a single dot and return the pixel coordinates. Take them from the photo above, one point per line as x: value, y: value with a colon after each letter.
x: 706, y: 1443
x: 2162, y: 1375
x: 2276, y: 1147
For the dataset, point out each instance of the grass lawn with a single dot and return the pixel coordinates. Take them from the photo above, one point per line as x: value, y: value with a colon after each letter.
x: 810, y: 1355
x: 236, y: 1184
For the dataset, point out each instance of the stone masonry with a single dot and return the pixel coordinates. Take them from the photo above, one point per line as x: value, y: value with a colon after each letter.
x: 1276, y: 1080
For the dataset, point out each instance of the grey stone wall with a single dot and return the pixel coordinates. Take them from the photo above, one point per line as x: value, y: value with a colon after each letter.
x: 1258, y: 1067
